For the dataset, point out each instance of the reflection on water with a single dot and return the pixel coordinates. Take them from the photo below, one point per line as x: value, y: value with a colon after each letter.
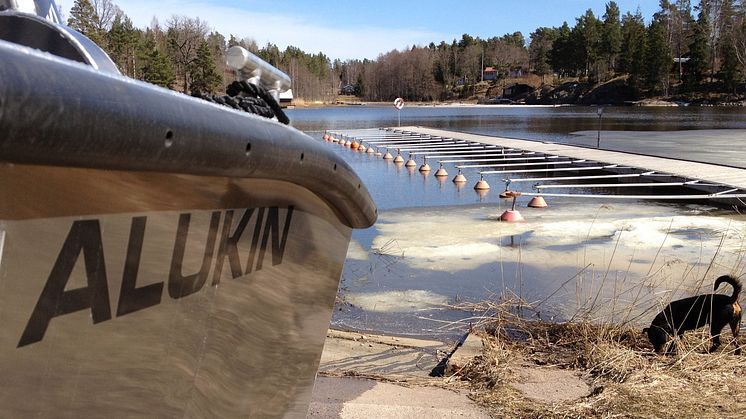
x: 436, y: 243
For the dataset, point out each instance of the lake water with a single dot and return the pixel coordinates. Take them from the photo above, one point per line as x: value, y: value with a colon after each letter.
x: 436, y: 245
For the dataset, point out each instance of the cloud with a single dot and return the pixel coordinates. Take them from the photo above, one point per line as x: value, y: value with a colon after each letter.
x: 282, y: 28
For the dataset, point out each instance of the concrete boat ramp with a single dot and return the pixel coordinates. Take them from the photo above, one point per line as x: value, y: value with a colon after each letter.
x: 388, y: 377
x: 546, y: 166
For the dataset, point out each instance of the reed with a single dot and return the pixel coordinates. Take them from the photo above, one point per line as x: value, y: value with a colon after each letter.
x: 602, y: 340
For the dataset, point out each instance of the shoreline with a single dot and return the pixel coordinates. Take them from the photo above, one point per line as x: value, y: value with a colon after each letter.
x: 645, y: 103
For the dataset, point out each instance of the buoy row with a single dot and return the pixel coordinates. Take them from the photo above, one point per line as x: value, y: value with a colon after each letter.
x: 511, y: 215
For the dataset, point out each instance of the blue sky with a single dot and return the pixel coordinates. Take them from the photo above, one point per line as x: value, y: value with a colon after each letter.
x: 365, y: 29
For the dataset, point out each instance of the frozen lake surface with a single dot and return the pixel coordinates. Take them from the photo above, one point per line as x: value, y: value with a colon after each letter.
x: 436, y: 245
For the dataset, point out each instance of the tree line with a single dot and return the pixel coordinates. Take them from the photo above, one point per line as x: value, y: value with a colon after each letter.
x: 186, y: 55
x: 690, y: 47
x: 684, y: 48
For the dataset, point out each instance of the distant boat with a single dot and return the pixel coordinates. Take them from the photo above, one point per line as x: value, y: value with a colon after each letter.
x: 160, y: 255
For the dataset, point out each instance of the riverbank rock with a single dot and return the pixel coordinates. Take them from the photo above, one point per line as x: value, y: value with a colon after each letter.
x: 615, y: 92
x: 464, y: 354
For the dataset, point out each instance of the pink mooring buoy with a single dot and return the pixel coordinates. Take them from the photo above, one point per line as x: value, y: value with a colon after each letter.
x: 511, y: 216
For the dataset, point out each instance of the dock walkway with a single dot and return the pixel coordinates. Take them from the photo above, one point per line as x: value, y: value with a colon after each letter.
x: 711, y: 173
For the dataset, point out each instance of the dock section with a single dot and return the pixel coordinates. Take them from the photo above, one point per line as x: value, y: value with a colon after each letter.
x: 546, y: 166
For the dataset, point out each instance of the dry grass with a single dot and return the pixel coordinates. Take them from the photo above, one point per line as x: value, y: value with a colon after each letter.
x: 627, y: 378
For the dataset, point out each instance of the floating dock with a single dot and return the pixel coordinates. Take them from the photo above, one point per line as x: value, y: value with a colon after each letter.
x: 574, y: 170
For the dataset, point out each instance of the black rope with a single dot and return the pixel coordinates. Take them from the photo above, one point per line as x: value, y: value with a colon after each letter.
x: 247, y: 97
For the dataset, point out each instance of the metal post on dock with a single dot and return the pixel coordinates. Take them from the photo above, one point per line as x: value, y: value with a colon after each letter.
x: 398, y: 104
x: 600, y: 112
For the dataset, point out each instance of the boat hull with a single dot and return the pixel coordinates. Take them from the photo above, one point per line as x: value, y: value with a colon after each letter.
x: 160, y: 294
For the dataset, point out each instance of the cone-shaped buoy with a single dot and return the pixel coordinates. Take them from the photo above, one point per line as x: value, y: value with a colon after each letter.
x: 355, y: 145
x: 411, y: 162
x: 362, y: 148
x: 425, y: 167
x: 506, y: 194
x: 482, y: 184
x: 326, y: 137
x: 334, y: 139
x: 399, y: 158
x: 348, y: 143
x: 388, y: 156
x: 459, y: 178
x: 441, y: 172
x: 537, y: 202
x: 511, y: 216
x: 370, y: 150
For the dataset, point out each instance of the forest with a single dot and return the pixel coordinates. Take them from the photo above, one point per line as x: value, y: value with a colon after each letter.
x: 685, y: 51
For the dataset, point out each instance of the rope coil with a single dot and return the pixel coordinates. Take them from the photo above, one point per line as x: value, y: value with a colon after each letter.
x: 247, y: 97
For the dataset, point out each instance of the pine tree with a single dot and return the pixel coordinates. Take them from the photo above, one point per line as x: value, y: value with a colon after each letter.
x: 83, y: 19
x: 699, y: 52
x: 563, y: 54
x: 632, y: 58
x: 587, y: 38
x: 121, y: 41
x: 539, y: 50
x: 205, y: 77
x: 658, y: 58
x: 611, y: 39
x: 730, y: 69
x: 156, y: 67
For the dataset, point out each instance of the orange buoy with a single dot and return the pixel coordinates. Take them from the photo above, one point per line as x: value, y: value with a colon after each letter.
x: 459, y: 178
x: 441, y: 172
x: 482, y: 184
x: 537, y: 202
x: 354, y: 145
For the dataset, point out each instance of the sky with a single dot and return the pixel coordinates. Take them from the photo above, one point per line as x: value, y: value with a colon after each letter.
x: 365, y: 29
